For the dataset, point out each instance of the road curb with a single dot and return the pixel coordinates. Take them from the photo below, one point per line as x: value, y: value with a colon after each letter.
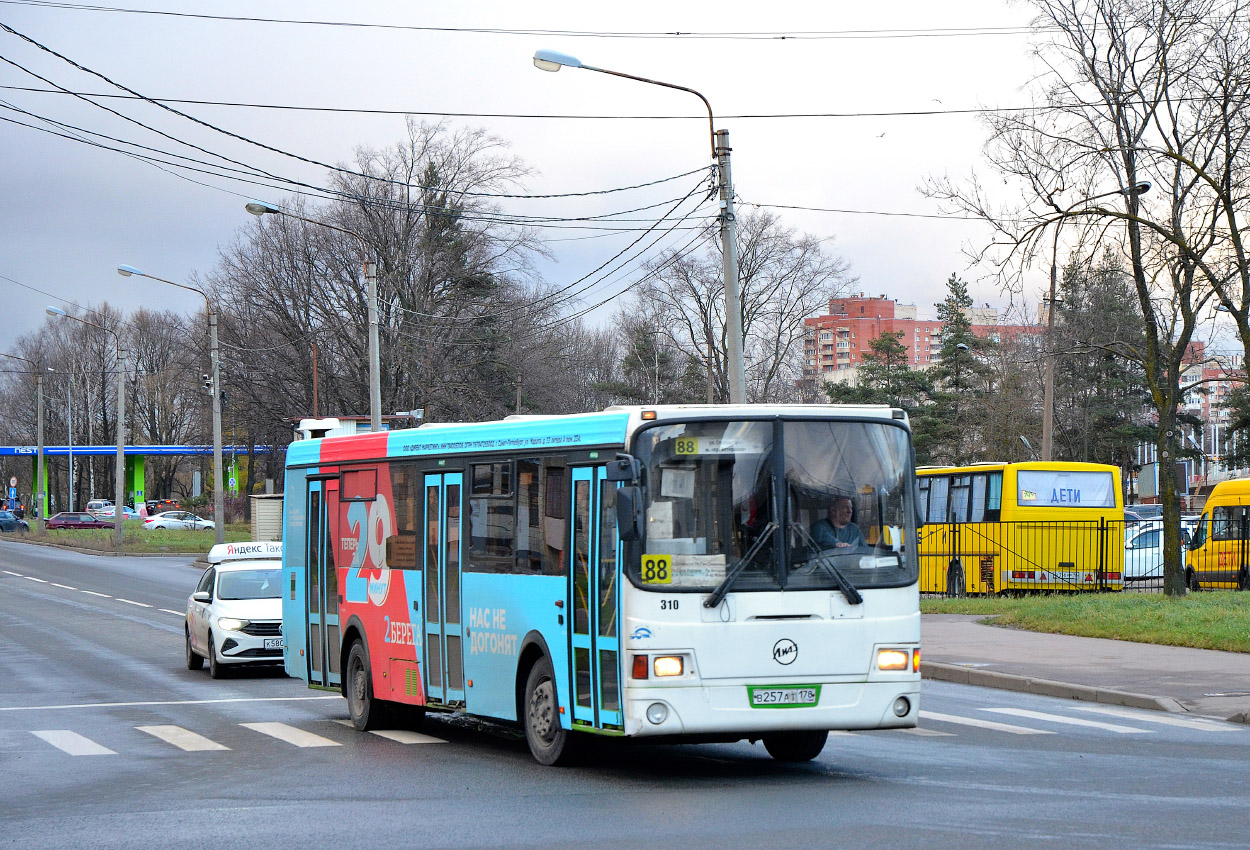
x: 964, y: 675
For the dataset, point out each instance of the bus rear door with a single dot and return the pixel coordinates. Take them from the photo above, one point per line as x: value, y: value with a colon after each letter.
x: 323, y: 585
x: 595, y: 594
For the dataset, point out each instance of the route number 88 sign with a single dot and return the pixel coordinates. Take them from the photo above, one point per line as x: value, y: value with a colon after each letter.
x: 657, y: 569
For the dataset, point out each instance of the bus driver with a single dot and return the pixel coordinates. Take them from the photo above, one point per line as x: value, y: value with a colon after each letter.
x: 838, y: 532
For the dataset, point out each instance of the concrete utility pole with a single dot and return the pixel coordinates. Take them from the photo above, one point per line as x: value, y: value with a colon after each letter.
x: 38, y: 492
x: 550, y: 60
x: 214, y: 359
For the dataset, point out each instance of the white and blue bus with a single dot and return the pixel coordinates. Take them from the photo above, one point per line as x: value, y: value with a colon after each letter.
x: 649, y: 572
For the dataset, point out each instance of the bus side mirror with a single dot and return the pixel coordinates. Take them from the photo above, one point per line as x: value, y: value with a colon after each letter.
x: 625, y: 468
x: 629, y: 513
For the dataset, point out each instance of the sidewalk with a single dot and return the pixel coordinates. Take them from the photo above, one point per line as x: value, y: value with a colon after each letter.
x: 957, y: 648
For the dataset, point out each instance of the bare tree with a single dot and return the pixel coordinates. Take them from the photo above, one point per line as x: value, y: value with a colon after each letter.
x: 784, y: 277
x: 1135, y: 91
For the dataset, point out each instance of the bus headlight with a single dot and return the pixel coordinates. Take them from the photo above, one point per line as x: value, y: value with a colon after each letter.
x: 892, y: 659
x: 668, y: 665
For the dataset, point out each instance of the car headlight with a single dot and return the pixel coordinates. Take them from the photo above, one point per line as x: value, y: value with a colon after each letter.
x: 232, y: 624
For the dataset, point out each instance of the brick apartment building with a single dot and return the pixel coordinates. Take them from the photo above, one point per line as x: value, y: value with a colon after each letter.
x: 836, y: 342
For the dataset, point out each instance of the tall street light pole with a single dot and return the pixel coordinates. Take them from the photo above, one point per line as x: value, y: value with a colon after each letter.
x: 219, y: 497
x: 1048, y: 400
x: 38, y: 492
x: 260, y: 208
x: 550, y: 60
x: 119, y: 489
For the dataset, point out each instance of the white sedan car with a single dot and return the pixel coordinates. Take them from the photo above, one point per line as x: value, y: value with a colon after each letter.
x: 234, y: 617
x: 178, y: 519
x: 1143, y: 549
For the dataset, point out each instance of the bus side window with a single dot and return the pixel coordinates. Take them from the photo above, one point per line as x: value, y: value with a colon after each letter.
x: 922, y: 501
x: 939, y: 492
x: 555, y: 498
x: 994, y: 497
x: 976, y: 509
x: 1223, y: 524
x: 960, y: 497
x: 529, y: 504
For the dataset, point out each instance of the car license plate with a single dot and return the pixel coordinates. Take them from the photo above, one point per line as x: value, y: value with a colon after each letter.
x: 274, y: 643
x: 802, y: 696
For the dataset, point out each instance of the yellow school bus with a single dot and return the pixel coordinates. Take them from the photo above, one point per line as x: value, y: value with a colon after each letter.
x: 1217, y: 556
x: 1013, y: 527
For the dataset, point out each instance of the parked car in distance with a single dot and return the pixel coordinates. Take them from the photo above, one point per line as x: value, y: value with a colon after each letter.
x: 1143, y: 548
x: 127, y: 512
x: 96, y: 505
x: 76, y: 519
x: 9, y: 521
x: 156, y: 506
x: 234, y: 616
x: 178, y: 519
x: 1145, y: 511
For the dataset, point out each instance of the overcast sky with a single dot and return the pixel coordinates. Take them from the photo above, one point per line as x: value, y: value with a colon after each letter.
x: 70, y: 212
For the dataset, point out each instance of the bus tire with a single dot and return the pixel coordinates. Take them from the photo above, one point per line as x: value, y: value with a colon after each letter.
x: 955, y: 588
x: 795, y: 746
x: 194, y: 662
x: 365, y: 711
x: 549, y: 743
x: 1243, y: 580
x: 1191, y: 581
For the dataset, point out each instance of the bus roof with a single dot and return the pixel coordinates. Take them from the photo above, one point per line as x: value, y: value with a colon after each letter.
x: 1074, y: 466
x: 1232, y: 487
x: 609, y: 427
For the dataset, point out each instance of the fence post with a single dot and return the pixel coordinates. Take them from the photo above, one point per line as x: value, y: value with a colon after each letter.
x: 1103, y: 529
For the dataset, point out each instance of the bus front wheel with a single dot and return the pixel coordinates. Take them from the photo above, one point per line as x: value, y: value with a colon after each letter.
x: 795, y: 746
x: 549, y: 743
x: 955, y: 581
x: 365, y: 711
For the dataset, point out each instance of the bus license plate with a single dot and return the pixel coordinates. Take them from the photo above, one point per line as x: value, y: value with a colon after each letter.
x: 800, y: 697
x: 274, y: 643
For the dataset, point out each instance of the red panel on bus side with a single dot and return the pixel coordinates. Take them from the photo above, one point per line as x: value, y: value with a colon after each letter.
x: 337, y: 449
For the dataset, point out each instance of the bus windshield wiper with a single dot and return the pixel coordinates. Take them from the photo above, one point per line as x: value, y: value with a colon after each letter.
x: 848, y: 590
x: 736, y: 570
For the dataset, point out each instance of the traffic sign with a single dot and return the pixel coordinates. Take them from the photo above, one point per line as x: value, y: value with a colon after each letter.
x: 13, y: 481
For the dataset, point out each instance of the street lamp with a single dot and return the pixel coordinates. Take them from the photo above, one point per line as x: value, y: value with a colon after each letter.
x: 119, y: 489
x: 219, y: 499
x: 1048, y: 400
x: 38, y: 492
x: 260, y: 208
x: 550, y: 60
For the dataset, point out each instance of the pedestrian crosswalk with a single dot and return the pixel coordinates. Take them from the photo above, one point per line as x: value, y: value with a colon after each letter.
x: 935, y: 725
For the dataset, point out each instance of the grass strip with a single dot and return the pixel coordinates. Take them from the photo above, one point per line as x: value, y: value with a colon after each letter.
x: 136, y: 540
x: 1218, y: 619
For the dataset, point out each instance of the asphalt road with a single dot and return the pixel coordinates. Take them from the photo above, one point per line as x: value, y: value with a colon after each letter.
x: 106, y: 740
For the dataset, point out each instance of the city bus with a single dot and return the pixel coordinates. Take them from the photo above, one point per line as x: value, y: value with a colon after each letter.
x: 1218, y: 552
x: 636, y: 572
x: 1012, y: 527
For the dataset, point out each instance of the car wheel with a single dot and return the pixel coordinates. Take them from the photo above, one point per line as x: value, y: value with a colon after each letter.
x: 216, y: 669
x: 549, y: 743
x: 795, y: 746
x: 194, y: 661
x: 1191, y: 581
x: 955, y: 587
x: 366, y: 712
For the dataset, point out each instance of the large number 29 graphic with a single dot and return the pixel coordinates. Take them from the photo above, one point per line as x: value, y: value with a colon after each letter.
x: 370, y: 524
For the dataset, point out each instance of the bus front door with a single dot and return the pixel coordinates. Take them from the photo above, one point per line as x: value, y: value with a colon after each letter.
x: 323, y: 586
x: 444, y: 659
x: 593, y: 577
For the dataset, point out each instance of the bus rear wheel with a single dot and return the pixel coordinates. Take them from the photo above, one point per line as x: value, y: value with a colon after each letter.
x: 795, y: 746
x: 365, y: 711
x: 1191, y: 581
x: 1243, y: 580
x: 955, y: 581
x: 549, y: 743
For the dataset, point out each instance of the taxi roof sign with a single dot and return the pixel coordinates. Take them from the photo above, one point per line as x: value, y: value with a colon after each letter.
x: 255, y: 550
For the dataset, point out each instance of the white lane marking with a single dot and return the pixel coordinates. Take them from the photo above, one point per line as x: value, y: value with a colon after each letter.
x: 928, y: 733
x: 40, y: 580
x: 1162, y: 718
x: 10, y: 572
x: 1070, y: 721
x: 93, y: 593
x: 73, y: 743
x: 290, y: 734
x: 183, y: 739
x: 132, y: 602
x: 175, y: 613
x: 162, y: 702
x: 983, y: 724
x: 65, y: 586
x: 407, y: 736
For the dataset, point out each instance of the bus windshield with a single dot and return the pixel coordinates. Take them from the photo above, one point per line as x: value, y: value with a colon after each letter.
x: 785, y: 504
